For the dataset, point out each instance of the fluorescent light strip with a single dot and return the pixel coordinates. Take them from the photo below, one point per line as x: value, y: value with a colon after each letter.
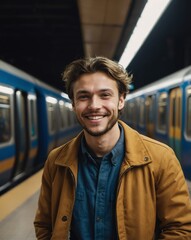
x: 6, y: 90
x: 149, y: 17
x: 51, y: 100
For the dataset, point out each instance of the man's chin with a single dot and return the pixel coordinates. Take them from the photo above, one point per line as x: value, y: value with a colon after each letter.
x: 95, y: 133
x: 98, y: 132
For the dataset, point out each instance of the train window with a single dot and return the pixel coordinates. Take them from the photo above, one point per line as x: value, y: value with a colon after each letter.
x: 69, y: 114
x: 51, y: 107
x: 150, y: 109
x: 188, y: 125
x: 178, y: 115
x: 141, y: 113
x: 128, y: 111
x: 5, y: 118
x: 63, y: 114
x: 162, y: 112
x: 33, y: 116
x: 173, y: 112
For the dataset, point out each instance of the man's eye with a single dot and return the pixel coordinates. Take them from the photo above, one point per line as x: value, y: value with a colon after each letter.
x: 105, y: 95
x: 83, y: 97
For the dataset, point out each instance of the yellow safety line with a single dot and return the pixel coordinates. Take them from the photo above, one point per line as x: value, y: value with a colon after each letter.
x: 14, y: 198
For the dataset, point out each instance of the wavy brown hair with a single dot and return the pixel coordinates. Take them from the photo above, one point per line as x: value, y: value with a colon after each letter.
x: 97, y: 64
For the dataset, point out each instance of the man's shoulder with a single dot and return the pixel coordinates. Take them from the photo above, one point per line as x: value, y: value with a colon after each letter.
x: 150, y: 142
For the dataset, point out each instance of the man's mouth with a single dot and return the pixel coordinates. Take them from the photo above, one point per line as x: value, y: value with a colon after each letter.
x: 94, y: 117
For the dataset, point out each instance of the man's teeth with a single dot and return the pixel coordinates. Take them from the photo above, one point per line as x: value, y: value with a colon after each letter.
x: 95, y: 117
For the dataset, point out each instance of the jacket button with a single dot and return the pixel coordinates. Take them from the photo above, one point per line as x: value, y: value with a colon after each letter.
x: 64, y: 218
x: 146, y: 159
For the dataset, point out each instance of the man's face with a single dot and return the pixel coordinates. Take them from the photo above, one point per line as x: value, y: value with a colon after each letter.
x: 97, y: 103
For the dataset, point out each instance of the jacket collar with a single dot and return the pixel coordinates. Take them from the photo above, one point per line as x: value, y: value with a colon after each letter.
x: 136, y: 153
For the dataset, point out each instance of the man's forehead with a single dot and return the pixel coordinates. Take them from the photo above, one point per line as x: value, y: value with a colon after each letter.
x: 98, y: 79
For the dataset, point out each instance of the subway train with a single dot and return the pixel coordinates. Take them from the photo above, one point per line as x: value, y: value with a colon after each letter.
x: 34, y: 118
x: 162, y: 110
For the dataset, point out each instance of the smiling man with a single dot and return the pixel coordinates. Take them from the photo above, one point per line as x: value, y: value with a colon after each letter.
x: 97, y: 104
x: 110, y: 182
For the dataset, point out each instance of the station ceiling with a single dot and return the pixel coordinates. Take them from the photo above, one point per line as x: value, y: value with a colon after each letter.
x: 42, y: 36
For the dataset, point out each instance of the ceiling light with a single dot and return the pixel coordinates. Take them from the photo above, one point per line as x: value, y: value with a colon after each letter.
x: 151, y: 13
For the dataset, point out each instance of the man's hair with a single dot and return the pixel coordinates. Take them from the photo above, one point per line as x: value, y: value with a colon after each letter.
x: 92, y: 65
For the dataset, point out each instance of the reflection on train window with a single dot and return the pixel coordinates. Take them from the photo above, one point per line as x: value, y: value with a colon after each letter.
x: 178, y: 110
x: 63, y: 114
x: 188, y: 127
x: 51, y: 116
x: 141, y: 113
x: 162, y: 113
x: 33, y: 127
x: 173, y: 112
x: 70, y: 116
x: 130, y: 112
x: 5, y: 118
x: 150, y: 105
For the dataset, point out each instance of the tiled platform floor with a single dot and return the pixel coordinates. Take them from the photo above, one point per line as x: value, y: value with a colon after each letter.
x: 19, y: 224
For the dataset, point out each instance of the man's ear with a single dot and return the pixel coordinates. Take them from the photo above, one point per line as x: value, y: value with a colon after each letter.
x: 121, y: 102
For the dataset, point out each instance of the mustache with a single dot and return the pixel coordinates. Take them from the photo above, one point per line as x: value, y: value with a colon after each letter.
x: 95, y: 113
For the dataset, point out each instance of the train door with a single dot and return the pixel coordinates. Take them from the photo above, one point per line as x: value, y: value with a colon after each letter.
x: 7, y: 146
x: 175, y: 120
x: 150, y: 114
x: 21, y: 132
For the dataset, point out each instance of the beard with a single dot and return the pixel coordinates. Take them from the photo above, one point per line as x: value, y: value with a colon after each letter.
x: 111, y: 123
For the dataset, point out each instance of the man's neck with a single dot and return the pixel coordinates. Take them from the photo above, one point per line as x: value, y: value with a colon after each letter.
x: 103, y: 144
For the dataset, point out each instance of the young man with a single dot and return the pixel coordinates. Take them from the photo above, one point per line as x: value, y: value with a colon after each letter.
x: 110, y: 182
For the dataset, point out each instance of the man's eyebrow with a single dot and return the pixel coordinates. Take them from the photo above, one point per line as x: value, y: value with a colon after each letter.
x: 106, y: 89
x: 82, y: 91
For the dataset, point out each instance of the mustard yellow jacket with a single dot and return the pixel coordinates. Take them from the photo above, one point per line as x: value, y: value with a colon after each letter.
x: 151, y: 191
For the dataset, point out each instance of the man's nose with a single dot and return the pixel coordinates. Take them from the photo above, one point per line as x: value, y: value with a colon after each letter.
x: 94, y: 102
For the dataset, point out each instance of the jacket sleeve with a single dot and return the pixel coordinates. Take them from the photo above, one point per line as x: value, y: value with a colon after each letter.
x: 173, y: 200
x: 42, y: 222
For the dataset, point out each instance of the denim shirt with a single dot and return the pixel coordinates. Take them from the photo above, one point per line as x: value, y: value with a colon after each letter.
x: 94, y: 214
